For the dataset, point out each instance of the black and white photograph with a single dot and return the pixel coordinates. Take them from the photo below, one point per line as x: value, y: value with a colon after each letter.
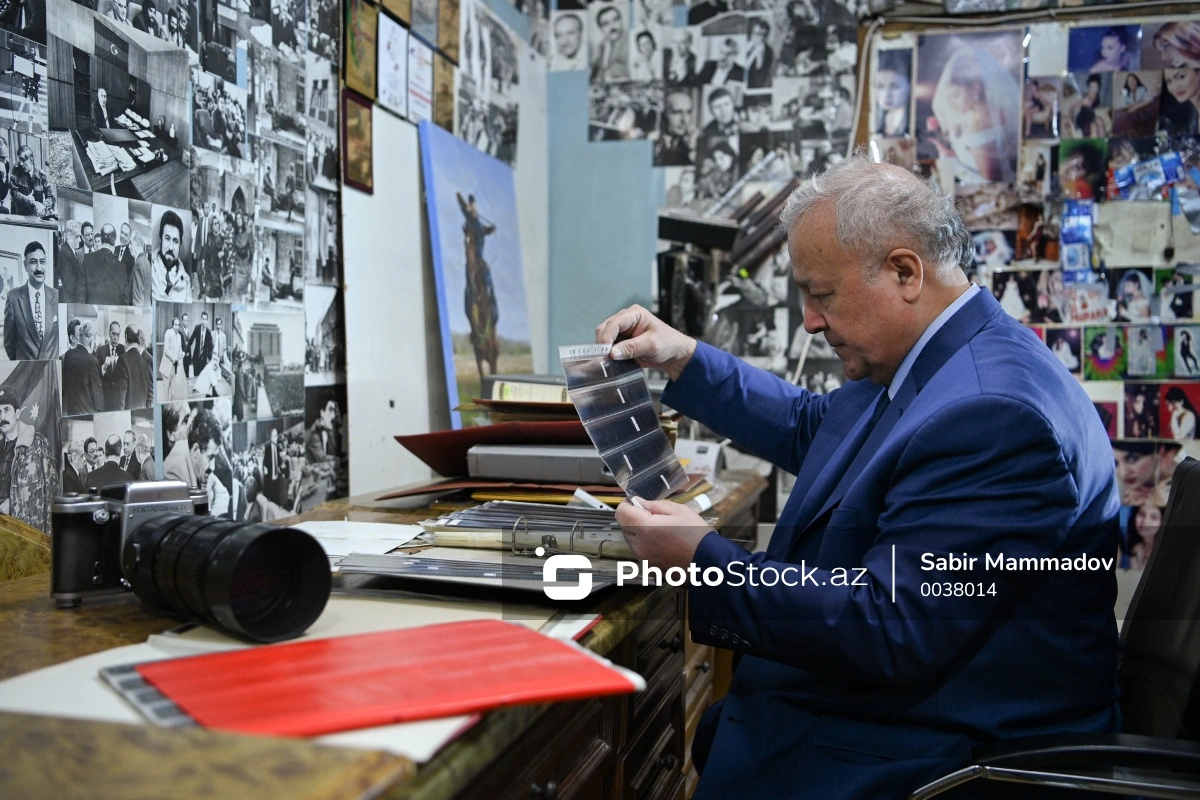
x: 425, y: 21
x: 23, y: 83
x: 326, y: 455
x: 675, y: 139
x: 26, y: 188
x: 621, y: 111
x: 227, y: 54
x: 120, y: 123
x: 99, y: 450
x: 107, y: 360
x: 224, y: 197
x: 289, y: 21
x: 680, y: 184
x: 321, y: 239
x: 167, y: 258
x: 196, y: 450
x: 281, y: 184
x: 278, y: 266
x: 717, y: 169
x: 30, y: 299
x: 110, y: 273
x: 321, y: 77
x: 324, y: 28
x: 321, y: 157
x: 219, y: 110
x: 681, y: 60
x: 268, y: 463
x: 25, y: 18
x: 569, y: 45
x: 194, y: 343
x: 722, y: 51
x: 75, y: 220
x: 168, y: 20
x: 279, y: 90
x: 719, y: 111
x: 488, y: 79
x: 29, y: 419
x: 270, y: 382
x: 325, y: 330
x: 820, y: 370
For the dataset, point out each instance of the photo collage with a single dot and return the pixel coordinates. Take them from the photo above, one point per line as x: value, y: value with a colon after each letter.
x: 1072, y: 153
x: 160, y: 228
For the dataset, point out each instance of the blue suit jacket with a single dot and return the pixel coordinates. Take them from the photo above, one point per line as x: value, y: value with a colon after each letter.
x: 990, y: 446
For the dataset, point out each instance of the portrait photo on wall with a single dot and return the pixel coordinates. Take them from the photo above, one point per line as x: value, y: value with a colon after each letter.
x: 268, y: 464
x: 1103, y: 353
x: 30, y: 299
x: 29, y: 417
x: 1105, y: 48
x: 107, y: 361
x: 279, y: 267
x: 1082, y: 168
x: 195, y: 351
x: 23, y: 84
x: 1150, y: 353
x: 225, y: 50
x: 195, y: 447
x: 1043, y: 96
x: 627, y: 110
x: 102, y: 449
x: 1178, y: 406
x: 675, y: 138
x: 219, y: 115
x: 281, y: 184
x: 25, y: 18
x: 1086, y: 110
x: 271, y: 381
x: 325, y: 331
x: 326, y: 447
x: 569, y: 32
x: 892, y: 93
x: 1187, y: 348
x: 1067, y: 346
x: 120, y: 122
x: 26, y: 189
x: 1134, y: 291
x: 477, y: 264
x: 224, y: 196
x: 321, y: 263
x: 278, y: 97
x: 1176, y: 289
x: 1141, y: 411
x: 968, y: 102
x: 1170, y: 44
x: 1136, y: 102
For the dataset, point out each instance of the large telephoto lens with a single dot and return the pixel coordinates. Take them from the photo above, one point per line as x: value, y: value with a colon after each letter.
x: 262, y: 582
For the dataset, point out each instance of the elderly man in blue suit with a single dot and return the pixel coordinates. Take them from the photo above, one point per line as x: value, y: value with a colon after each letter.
x: 958, y: 434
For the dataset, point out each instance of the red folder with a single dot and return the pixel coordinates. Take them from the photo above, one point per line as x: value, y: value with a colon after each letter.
x: 446, y: 451
x: 322, y: 686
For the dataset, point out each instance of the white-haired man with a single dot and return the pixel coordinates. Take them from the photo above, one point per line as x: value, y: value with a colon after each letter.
x: 959, y: 433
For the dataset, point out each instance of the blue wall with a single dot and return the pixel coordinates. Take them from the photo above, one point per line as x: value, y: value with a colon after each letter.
x: 604, y: 199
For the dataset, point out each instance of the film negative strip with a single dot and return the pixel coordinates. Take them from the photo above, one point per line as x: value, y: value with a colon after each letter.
x: 614, y: 402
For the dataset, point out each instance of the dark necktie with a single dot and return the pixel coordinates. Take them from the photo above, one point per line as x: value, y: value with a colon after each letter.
x: 880, y: 407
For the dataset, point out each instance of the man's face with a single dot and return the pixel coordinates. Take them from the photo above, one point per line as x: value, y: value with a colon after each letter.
x: 274, y: 436
x: 204, y: 320
x: 679, y: 114
x: 114, y: 334
x: 327, y: 414
x: 76, y: 458
x: 120, y: 8
x: 127, y: 444
x: 168, y: 246
x: 89, y: 235
x: 728, y: 54
x: 102, y: 96
x: 610, y: 24
x: 35, y: 268
x: 74, y: 240
x: 3, y: 150
x: 202, y: 459
x: 568, y: 35
x: 125, y: 232
x: 859, y: 315
x: 185, y: 321
x: 8, y: 421
x: 94, y: 454
x: 722, y: 109
x: 25, y: 157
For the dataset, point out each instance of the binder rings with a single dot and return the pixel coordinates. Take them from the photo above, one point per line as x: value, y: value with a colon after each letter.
x: 308, y: 688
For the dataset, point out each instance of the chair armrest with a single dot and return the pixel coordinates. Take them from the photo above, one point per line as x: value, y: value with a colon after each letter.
x: 1105, y: 749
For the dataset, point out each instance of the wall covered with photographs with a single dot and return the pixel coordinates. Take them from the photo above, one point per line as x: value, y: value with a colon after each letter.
x: 169, y: 252
x: 1072, y: 151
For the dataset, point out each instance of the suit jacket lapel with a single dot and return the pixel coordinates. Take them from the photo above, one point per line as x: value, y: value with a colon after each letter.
x: 952, y: 336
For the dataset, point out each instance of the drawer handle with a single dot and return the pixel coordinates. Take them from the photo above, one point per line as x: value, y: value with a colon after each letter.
x: 675, y: 645
x: 667, y: 762
x: 704, y: 666
x: 547, y: 792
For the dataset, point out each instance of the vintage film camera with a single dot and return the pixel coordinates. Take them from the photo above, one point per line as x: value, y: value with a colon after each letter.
x: 261, y: 582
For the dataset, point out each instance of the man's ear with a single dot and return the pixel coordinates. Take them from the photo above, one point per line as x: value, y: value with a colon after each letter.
x: 907, y: 269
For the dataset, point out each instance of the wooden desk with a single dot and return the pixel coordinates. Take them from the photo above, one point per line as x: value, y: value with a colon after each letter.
x: 634, y: 746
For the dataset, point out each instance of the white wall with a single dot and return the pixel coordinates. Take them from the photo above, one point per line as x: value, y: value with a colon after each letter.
x: 395, y: 382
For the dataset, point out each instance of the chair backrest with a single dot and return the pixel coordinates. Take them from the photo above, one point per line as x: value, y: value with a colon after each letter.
x: 1160, y: 639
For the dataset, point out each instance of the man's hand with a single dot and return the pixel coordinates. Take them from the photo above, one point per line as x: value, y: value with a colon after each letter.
x: 648, y: 339
x: 663, y: 533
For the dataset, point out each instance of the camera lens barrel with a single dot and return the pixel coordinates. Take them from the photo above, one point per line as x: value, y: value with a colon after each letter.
x: 262, y: 582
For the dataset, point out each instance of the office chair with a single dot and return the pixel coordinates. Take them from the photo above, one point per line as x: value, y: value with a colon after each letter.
x: 1159, y: 675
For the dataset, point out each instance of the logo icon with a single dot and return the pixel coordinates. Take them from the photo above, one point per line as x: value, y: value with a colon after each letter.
x: 564, y: 562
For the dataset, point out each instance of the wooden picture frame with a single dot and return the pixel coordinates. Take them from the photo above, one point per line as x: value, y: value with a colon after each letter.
x: 400, y: 9
x: 358, y: 168
x: 361, y: 30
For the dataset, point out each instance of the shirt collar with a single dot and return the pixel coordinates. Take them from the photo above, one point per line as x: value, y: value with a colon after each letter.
x: 934, y: 327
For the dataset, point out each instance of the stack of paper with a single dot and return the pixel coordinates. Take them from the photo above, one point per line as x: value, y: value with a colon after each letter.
x: 124, y: 160
x: 103, y: 159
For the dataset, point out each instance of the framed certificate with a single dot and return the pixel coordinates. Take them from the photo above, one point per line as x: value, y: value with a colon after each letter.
x: 362, y: 23
x: 358, y: 168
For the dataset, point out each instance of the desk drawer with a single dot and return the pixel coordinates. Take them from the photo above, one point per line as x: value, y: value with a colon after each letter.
x: 565, y: 754
x: 699, y: 664
x: 653, y: 765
